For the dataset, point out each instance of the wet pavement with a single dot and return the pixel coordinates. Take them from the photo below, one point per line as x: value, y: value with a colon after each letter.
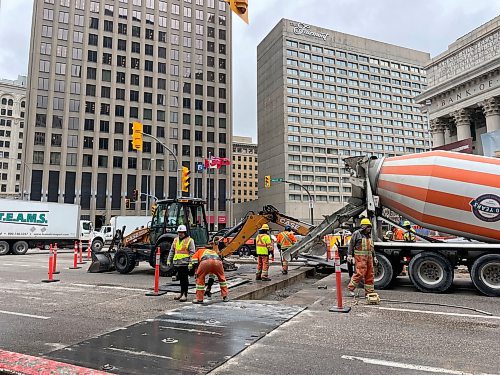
x: 189, y: 340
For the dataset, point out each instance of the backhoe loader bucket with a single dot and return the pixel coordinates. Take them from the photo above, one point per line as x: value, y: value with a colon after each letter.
x: 101, y: 262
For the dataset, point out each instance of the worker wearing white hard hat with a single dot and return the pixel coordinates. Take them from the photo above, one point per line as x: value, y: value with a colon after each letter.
x: 180, y: 254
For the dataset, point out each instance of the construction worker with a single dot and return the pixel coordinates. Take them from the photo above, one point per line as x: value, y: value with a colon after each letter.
x: 263, y: 247
x: 181, y: 251
x: 398, y: 234
x: 209, y: 263
x: 361, y: 251
x: 286, y: 240
x: 409, y: 235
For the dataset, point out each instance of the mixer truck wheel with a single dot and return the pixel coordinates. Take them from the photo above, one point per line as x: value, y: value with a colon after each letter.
x: 431, y: 272
x: 383, y: 272
x: 4, y: 247
x: 20, y: 248
x: 485, y: 274
x: 124, y: 261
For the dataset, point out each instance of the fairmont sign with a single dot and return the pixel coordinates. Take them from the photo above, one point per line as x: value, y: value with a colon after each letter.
x: 304, y: 29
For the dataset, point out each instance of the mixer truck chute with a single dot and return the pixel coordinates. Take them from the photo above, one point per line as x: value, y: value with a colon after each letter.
x: 449, y: 192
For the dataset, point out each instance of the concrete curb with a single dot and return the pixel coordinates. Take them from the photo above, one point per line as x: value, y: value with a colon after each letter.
x: 259, y: 289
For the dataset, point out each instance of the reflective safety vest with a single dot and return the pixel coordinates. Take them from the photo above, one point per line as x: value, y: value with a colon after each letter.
x: 285, y: 240
x: 204, y: 254
x: 262, y: 244
x: 182, y: 248
x: 409, y: 236
x: 364, y: 247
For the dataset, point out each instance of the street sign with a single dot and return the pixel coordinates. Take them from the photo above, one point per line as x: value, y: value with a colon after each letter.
x: 279, y: 179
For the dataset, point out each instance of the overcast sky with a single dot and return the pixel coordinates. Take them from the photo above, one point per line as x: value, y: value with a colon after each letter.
x: 427, y: 25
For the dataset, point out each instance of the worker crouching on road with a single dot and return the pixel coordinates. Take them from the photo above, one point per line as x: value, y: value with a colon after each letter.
x: 263, y: 246
x: 286, y: 240
x: 183, y: 248
x: 209, y: 263
x: 361, y: 246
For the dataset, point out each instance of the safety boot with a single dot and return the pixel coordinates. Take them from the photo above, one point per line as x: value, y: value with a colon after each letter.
x: 178, y: 297
x: 183, y: 298
x: 266, y: 279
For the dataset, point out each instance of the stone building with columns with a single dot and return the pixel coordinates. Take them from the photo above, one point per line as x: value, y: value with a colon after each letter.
x: 463, y: 93
x: 12, y: 120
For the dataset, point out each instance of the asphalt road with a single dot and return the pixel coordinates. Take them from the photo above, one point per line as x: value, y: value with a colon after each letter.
x: 393, y: 338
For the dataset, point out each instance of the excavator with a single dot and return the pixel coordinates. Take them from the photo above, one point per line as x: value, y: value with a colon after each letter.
x: 125, y: 253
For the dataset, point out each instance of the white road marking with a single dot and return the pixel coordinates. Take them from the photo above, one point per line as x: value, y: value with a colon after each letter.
x: 110, y: 287
x: 142, y: 353
x: 381, y: 362
x: 25, y: 315
x: 193, y: 330
x: 436, y: 312
x: 22, y: 281
x: 190, y: 322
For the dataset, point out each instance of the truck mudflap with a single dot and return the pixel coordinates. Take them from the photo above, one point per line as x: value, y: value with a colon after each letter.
x: 312, y: 244
x: 101, y: 262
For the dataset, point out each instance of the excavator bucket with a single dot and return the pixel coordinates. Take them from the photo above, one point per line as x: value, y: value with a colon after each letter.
x: 101, y: 262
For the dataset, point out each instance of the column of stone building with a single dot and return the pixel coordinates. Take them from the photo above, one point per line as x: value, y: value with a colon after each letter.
x: 437, y: 131
x: 462, y: 122
x: 491, y: 110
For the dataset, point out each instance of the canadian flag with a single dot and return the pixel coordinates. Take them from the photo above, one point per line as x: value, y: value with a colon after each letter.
x: 216, y: 162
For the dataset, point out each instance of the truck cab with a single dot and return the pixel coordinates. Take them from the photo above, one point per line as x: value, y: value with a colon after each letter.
x: 87, y: 234
x: 106, y: 232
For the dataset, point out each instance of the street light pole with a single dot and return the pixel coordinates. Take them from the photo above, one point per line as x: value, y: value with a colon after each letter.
x: 311, y: 200
x: 179, y: 176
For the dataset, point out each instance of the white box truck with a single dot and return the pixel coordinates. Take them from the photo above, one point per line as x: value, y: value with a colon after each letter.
x: 131, y: 223
x: 28, y: 224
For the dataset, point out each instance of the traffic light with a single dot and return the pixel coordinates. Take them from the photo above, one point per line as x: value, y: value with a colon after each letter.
x: 135, y: 195
x: 186, y: 179
x: 153, y: 209
x: 127, y: 203
x: 240, y: 7
x: 267, y: 181
x: 137, y: 136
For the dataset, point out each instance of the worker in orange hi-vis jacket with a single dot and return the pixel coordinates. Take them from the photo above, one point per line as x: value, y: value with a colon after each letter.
x: 208, y: 262
x: 286, y: 240
x: 361, y: 246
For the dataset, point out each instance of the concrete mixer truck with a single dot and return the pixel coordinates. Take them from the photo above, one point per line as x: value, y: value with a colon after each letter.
x: 448, y: 192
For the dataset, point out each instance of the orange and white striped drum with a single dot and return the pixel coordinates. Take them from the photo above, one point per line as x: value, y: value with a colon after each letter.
x: 446, y: 191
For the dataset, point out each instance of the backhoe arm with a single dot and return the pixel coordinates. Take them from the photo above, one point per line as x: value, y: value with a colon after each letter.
x: 248, y: 228
x: 253, y: 222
